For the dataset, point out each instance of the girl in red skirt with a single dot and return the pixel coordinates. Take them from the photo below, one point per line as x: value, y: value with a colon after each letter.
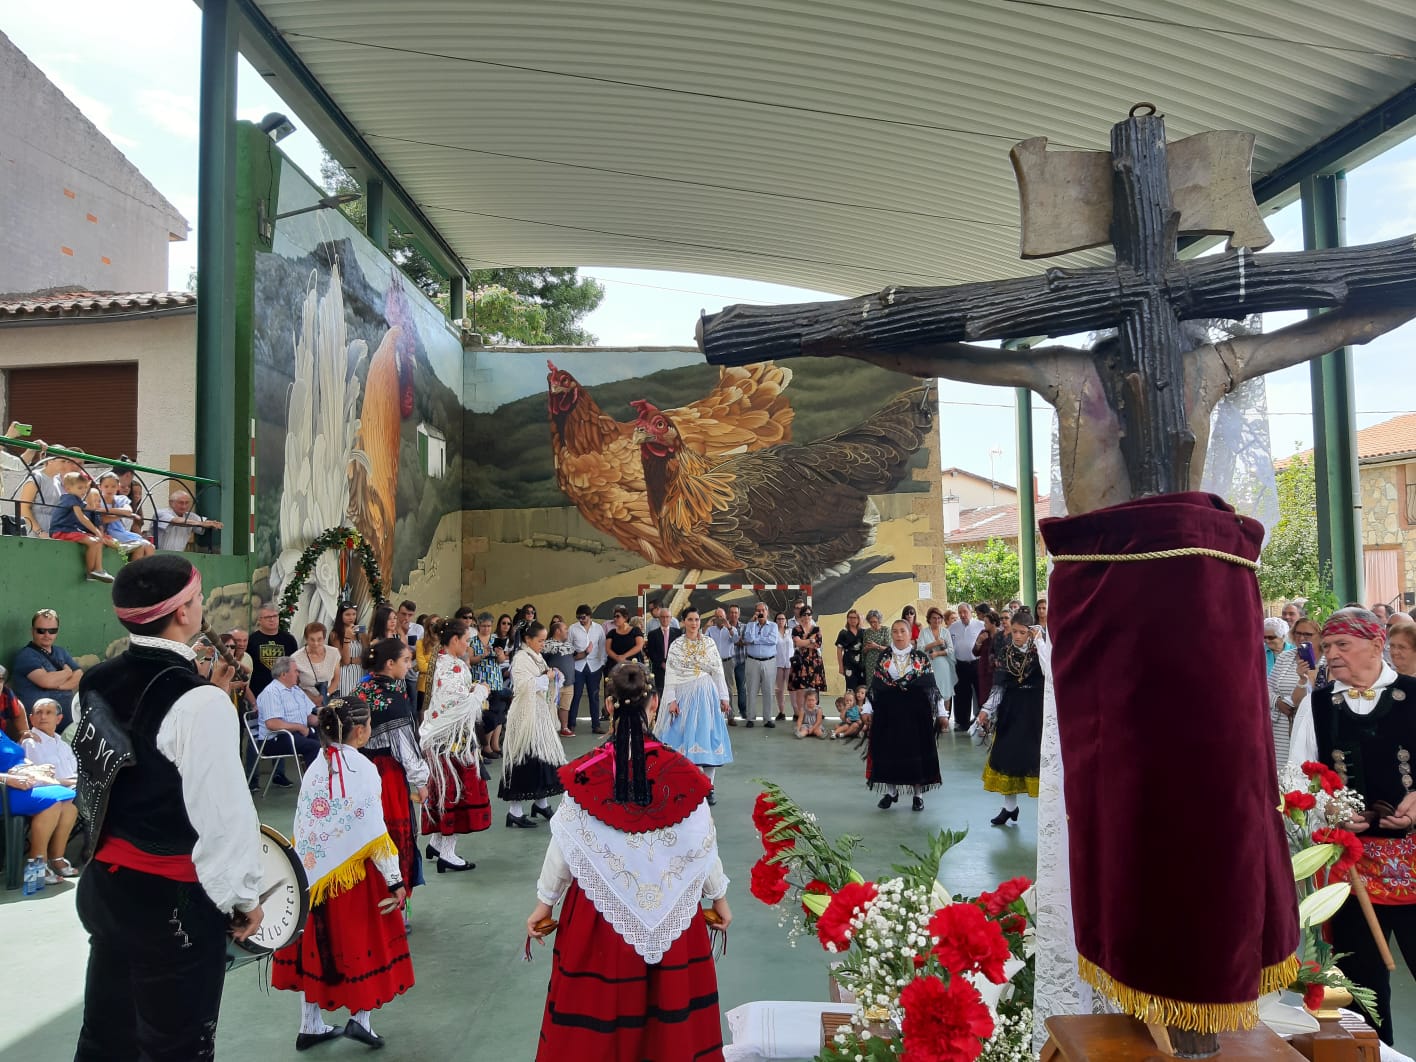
x: 457, y: 794
x: 353, y: 954
x: 632, y: 976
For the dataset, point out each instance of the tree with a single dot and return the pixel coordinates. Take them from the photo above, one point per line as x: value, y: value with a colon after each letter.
x: 1289, y: 563
x: 534, y: 305
x: 989, y: 574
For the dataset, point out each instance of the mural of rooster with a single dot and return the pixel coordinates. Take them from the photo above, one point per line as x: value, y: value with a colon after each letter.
x: 787, y: 513
x: 597, y: 460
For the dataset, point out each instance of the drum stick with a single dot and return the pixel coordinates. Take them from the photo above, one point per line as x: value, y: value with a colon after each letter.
x: 1369, y: 913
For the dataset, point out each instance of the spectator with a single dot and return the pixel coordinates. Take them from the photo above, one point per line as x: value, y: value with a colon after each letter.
x: 965, y: 631
x: 117, y: 519
x: 656, y: 644
x: 178, y: 523
x: 267, y: 645
x: 485, y: 659
x: 44, y: 745
x: 798, y: 606
x: 739, y: 676
x: 851, y: 720
x: 43, y: 668
x: 1289, y: 682
x: 1275, y: 641
x: 385, y: 624
x: 624, y: 641
x: 653, y: 624
x: 848, y: 662
x: 810, y: 723
x: 784, y: 666
x: 236, y: 641
x: 14, y: 720
x: 48, y: 806
x: 934, y: 642
x: 559, y: 655
x: 1291, y: 613
x: 14, y: 471
x: 316, y: 666
x: 874, y: 640
x: 40, y: 493
x: 587, y: 639
x: 760, y: 645
x: 808, y: 669
x: 1382, y: 612
x: 987, y: 648
x: 410, y: 631
x: 131, y: 488
x: 425, y: 658
x: 1040, y: 617
x: 525, y: 616
x: 351, y: 642
x: 73, y: 522
x: 908, y: 615
x: 505, y: 649
x: 282, y: 707
x: 1401, y: 636
x: 725, y: 636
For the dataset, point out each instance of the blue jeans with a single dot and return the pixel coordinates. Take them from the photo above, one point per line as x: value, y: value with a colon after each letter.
x: 589, y: 681
x: 740, y: 687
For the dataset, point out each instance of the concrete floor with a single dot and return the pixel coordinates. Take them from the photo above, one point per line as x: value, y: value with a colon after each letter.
x: 475, y: 998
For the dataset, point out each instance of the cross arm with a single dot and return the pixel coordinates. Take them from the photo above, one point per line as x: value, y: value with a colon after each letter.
x: 1251, y: 356
x: 1040, y: 369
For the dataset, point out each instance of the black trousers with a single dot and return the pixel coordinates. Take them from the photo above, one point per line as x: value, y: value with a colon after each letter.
x: 157, y: 963
x: 1364, y: 965
x: 965, y: 692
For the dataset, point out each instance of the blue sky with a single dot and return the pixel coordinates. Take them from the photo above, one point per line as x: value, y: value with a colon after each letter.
x: 136, y: 79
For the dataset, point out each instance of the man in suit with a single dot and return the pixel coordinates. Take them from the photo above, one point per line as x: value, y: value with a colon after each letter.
x: 657, y: 642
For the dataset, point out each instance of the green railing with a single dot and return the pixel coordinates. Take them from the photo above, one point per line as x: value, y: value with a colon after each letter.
x: 112, y: 462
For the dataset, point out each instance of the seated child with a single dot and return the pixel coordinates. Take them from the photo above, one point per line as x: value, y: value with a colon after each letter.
x: 72, y: 523
x: 851, y: 720
x: 116, y: 515
x: 811, y: 718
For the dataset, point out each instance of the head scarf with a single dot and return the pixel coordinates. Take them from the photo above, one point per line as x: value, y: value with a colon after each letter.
x: 1358, y: 623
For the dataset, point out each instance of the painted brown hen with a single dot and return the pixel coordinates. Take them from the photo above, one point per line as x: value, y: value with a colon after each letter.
x: 597, y: 461
x: 787, y: 513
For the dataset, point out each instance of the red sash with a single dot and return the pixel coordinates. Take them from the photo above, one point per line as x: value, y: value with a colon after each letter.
x: 120, y: 853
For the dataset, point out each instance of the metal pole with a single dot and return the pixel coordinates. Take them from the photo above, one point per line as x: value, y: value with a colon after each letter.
x: 376, y: 213
x: 1027, y: 509
x: 216, y: 259
x: 1334, y: 412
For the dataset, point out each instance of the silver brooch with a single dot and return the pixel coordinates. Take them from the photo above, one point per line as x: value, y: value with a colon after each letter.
x: 1337, y: 699
x: 1398, y: 695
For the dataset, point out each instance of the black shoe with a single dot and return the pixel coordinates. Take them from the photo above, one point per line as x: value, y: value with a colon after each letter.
x: 444, y: 866
x: 780, y: 717
x: 283, y: 783
x: 519, y: 820
x: 768, y: 723
x: 355, y: 1031
x: 305, y: 1041
x: 545, y: 812
x: 886, y: 801
x: 1004, y: 817
x: 751, y: 724
x: 712, y: 798
x: 917, y: 803
x: 597, y: 730
x: 430, y: 852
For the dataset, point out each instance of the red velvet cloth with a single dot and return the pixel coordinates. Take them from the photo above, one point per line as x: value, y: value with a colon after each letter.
x: 1182, y: 889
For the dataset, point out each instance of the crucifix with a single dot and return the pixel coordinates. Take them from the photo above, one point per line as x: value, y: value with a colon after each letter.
x: 1162, y: 757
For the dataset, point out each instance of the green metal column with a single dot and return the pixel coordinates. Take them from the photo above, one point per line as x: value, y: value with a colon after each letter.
x: 216, y: 304
x: 376, y: 214
x: 1334, y: 412
x: 457, y: 298
x: 1027, y: 509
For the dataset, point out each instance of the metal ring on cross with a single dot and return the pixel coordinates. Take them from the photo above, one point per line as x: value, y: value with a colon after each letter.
x: 1145, y: 110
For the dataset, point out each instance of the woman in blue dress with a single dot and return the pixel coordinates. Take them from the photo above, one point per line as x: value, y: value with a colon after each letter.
x: 49, y: 807
x: 694, y: 707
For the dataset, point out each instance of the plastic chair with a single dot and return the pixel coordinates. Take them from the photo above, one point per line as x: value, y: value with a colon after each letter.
x: 259, y: 754
x: 15, y: 827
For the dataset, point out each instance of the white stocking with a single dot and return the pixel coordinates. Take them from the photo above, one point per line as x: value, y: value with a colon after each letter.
x: 1010, y: 802
x: 709, y: 771
x: 543, y: 803
x: 446, y: 847
x: 311, y: 1020
x: 893, y: 790
x: 363, y: 1017
x: 516, y: 809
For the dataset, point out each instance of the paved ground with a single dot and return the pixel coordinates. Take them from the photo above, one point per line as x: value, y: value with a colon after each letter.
x: 475, y: 999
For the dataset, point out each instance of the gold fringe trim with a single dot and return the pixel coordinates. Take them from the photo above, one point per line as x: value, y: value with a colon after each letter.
x: 1192, y: 1017
x: 351, y: 871
x: 1160, y: 554
x: 1008, y: 784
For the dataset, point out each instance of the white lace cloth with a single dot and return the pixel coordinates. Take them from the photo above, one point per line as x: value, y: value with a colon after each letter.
x: 648, y: 886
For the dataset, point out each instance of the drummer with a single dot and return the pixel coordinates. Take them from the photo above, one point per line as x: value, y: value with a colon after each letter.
x: 177, y: 865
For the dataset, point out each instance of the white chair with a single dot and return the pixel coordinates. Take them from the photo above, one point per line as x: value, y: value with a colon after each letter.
x: 259, y: 754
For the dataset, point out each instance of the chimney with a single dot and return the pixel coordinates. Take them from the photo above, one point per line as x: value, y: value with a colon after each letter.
x: 951, y: 513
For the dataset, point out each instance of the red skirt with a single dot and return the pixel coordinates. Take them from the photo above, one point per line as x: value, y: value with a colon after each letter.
x: 471, y: 813
x: 351, y: 955
x: 398, y: 817
x: 606, y: 1004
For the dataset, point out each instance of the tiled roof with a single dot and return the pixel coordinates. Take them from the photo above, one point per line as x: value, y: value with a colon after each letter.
x: 40, y: 305
x: 991, y: 521
x: 1380, y: 442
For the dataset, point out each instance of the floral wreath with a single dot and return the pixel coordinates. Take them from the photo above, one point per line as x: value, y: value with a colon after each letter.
x: 334, y: 538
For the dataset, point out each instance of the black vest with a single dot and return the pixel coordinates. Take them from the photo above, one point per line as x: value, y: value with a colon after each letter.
x: 1369, y: 743
x: 142, y: 803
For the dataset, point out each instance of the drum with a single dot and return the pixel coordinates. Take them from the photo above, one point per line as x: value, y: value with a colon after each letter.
x: 285, y: 902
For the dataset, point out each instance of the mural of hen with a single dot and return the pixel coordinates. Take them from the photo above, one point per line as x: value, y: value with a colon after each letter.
x: 786, y: 513
x: 597, y: 460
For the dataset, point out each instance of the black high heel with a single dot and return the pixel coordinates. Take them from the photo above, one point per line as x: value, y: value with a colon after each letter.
x: 545, y: 812
x: 520, y: 821
x: 444, y: 866
x: 430, y: 852
x: 1004, y: 817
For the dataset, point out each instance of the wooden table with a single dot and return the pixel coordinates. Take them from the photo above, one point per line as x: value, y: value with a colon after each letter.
x: 1120, y: 1038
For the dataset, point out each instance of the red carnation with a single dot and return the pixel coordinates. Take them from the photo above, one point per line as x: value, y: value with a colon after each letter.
x: 763, y: 815
x: 834, y: 925
x: 815, y: 885
x: 943, y: 1024
x: 1313, y: 996
x: 1296, y: 801
x: 1327, y: 778
x: 348, y: 543
x: 1013, y: 923
x: 1351, y: 850
x: 769, y: 882
x: 968, y: 941
x: 1003, y: 897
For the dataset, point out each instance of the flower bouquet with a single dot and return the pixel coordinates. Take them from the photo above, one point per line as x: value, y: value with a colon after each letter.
x: 1316, y: 802
x: 935, y: 978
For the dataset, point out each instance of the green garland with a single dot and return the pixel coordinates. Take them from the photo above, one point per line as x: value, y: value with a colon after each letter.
x: 334, y: 538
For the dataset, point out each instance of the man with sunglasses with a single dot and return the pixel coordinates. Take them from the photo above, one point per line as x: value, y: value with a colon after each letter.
x: 44, y: 669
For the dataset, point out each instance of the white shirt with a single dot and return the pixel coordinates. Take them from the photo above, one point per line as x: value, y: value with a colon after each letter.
x: 199, y: 737
x: 1303, y: 743
x: 590, y: 641
x: 52, y: 749
x: 175, y: 532
x: 964, y: 636
x: 784, y: 648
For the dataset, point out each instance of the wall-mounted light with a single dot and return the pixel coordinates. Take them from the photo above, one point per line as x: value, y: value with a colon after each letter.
x: 276, y: 126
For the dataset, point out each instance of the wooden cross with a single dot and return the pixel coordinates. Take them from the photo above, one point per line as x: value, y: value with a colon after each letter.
x: 1134, y: 414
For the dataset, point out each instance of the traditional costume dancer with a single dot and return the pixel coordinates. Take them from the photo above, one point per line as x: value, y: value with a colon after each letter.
x: 353, y: 954
x: 532, y: 745
x: 694, y: 706
x: 1014, y: 761
x: 457, y: 794
x: 632, y: 975
x: 393, y: 747
x: 1362, y: 724
x: 177, y: 863
x: 901, y: 710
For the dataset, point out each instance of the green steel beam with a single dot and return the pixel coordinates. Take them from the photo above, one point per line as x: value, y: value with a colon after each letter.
x: 457, y: 297
x: 376, y: 213
x: 1334, y: 412
x: 216, y: 253
x: 1027, y: 507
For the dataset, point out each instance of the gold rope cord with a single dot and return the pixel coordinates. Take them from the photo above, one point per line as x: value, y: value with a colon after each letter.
x: 1193, y: 1017
x: 1160, y: 554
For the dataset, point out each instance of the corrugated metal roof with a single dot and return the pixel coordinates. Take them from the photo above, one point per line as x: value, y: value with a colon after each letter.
x: 40, y: 306
x: 832, y: 145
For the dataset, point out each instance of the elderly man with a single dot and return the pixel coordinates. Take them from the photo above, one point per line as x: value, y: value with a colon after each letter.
x: 759, y: 639
x: 1291, y: 614
x: 283, y: 708
x: 725, y: 636
x: 1362, y: 724
x: 44, y: 668
x: 656, y: 643
x: 963, y: 632
x: 177, y: 523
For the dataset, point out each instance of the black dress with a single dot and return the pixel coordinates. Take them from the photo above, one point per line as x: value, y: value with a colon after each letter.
x: 849, y: 644
x: 1013, y: 762
x: 900, y: 748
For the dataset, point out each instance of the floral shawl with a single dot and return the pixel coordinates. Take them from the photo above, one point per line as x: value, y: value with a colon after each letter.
x: 339, y: 823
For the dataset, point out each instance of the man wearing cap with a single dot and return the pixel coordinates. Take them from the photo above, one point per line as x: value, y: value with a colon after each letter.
x: 174, y: 838
x: 1362, y: 724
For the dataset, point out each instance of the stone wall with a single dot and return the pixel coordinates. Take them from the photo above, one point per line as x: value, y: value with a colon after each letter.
x: 1384, y: 520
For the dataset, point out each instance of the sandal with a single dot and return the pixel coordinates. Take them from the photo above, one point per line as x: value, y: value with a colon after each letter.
x: 63, y: 868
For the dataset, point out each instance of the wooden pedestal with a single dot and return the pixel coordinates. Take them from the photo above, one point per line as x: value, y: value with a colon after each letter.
x: 1119, y: 1038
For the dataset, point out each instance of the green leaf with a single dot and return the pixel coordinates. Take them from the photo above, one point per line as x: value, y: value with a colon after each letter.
x: 1323, y: 904
x: 816, y: 903
x: 1309, y: 861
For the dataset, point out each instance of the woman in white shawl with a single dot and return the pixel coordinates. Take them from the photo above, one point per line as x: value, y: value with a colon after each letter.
x: 353, y: 954
x: 531, y: 747
x: 694, y: 706
x: 457, y: 794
